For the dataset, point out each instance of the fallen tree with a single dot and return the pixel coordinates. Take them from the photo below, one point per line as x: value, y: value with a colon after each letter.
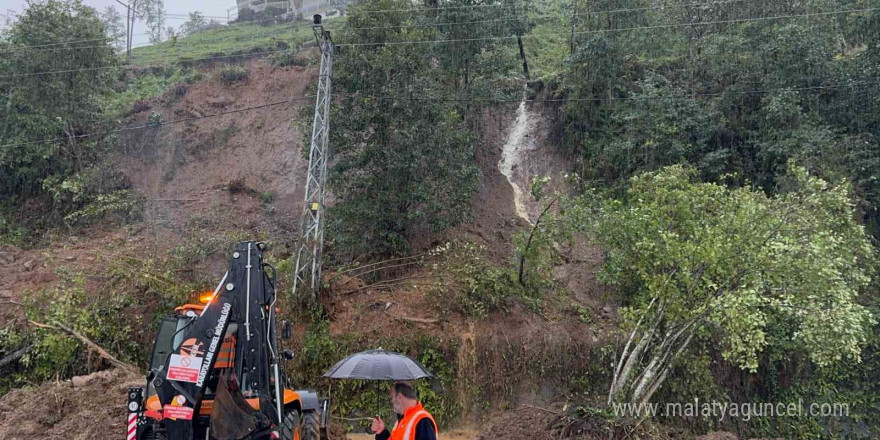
x: 88, y: 343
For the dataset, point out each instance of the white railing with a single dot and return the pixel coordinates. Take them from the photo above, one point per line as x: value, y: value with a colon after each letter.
x: 307, y: 9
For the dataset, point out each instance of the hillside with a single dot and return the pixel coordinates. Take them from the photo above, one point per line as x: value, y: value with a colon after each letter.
x: 564, y: 211
x: 213, y: 181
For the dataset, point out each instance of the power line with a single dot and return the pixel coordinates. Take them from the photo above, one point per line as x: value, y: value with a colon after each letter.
x: 588, y: 13
x: 140, y: 66
x: 602, y: 31
x: 295, y: 27
x: 24, y: 48
x: 501, y: 19
x: 607, y: 11
x: 159, y: 124
x: 688, y: 97
x: 496, y: 38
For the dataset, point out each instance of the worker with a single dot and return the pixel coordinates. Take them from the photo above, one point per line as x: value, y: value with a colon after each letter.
x: 413, y: 421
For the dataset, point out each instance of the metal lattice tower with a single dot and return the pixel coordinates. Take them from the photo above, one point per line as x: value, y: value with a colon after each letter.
x: 307, y: 276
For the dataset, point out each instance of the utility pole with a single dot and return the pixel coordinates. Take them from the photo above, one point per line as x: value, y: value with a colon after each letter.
x: 127, y: 31
x: 307, y: 275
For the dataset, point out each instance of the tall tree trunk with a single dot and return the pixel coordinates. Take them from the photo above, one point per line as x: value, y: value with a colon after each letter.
x: 522, y: 55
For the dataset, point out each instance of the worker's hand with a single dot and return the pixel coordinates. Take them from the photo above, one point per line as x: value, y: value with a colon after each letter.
x: 378, y: 425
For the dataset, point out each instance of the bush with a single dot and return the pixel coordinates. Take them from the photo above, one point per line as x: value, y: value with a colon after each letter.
x: 93, y: 194
x: 121, y: 206
x: 233, y: 74
x: 319, y: 351
x: 120, y: 314
x: 480, y: 286
x: 141, y: 105
x: 285, y: 59
x: 175, y: 92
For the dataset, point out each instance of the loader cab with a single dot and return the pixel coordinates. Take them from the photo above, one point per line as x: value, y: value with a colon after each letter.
x: 170, y: 337
x: 170, y: 334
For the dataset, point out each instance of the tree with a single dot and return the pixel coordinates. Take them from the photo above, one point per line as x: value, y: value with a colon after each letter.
x: 466, y: 57
x: 113, y: 26
x: 697, y: 257
x: 195, y: 23
x: 61, y: 106
x: 404, y: 159
x: 154, y: 14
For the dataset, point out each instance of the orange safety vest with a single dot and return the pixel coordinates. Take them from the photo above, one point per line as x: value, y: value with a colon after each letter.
x: 405, y: 428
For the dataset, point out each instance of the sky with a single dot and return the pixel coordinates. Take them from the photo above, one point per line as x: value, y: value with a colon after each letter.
x: 215, y: 8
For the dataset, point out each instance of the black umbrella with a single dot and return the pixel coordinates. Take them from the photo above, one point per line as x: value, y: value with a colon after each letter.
x: 378, y: 365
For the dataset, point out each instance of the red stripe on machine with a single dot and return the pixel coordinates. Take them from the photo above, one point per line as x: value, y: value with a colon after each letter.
x: 132, y: 426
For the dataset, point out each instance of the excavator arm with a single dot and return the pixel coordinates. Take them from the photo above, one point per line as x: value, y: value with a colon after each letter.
x: 243, y: 308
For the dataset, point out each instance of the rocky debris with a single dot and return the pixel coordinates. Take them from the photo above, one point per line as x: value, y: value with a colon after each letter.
x: 8, y: 254
x: 520, y: 424
x: 101, y: 376
x: 92, y: 410
x: 28, y: 265
x: 220, y: 101
x: 718, y: 435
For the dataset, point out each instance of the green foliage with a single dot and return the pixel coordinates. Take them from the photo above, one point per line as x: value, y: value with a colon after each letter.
x: 737, y: 99
x: 168, y: 82
x: 60, y: 107
x: 480, y: 287
x: 285, y: 59
x: 92, y: 194
x: 849, y: 383
x: 402, y: 168
x: 123, y: 205
x: 233, y: 74
x: 236, y: 39
x: 121, y: 314
x: 747, y: 263
x: 10, y: 233
x: 364, y: 398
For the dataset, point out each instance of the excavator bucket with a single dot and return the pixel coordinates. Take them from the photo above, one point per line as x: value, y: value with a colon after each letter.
x: 232, y: 418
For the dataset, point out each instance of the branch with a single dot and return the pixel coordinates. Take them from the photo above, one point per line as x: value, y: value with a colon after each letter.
x: 522, y: 257
x: 14, y: 356
x: 390, y: 283
x: 355, y: 277
x: 632, y: 335
x: 380, y: 262
x: 539, y: 408
x: 89, y: 343
x: 411, y: 319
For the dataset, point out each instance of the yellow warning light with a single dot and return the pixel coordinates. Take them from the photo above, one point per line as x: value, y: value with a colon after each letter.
x: 206, y: 297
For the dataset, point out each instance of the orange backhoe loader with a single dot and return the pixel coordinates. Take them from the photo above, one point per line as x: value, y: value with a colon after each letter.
x: 216, y: 369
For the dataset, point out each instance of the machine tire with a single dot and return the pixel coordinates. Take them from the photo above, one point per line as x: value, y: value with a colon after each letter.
x: 305, y: 426
x: 311, y: 426
x: 292, y: 427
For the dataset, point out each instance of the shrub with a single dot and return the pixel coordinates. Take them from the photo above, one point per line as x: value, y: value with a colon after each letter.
x: 141, y: 105
x: 480, y: 286
x: 285, y: 59
x: 233, y: 74
x: 122, y: 206
x: 175, y: 92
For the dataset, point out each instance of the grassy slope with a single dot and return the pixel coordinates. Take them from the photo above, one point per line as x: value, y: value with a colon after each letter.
x: 235, y: 39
